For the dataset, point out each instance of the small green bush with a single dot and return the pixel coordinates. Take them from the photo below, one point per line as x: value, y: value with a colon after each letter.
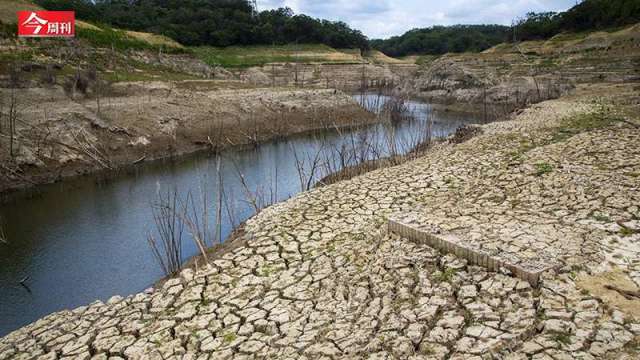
x: 543, y: 168
x: 444, y: 276
x: 625, y: 231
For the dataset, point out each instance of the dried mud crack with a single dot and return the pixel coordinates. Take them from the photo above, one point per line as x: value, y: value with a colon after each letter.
x: 321, y: 278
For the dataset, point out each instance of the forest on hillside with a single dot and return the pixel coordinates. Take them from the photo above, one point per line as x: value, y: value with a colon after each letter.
x: 585, y: 16
x: 443, y: 39
x: 213, y: 22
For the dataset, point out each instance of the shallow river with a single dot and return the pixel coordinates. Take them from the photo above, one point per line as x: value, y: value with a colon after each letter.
x: 86, y: 238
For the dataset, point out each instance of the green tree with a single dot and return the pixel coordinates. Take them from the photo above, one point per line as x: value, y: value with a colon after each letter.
x: 213, y: 22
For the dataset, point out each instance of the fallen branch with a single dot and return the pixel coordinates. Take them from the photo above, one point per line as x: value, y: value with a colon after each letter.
x: 139, y: 160
x: 89, y: 149
x: 629, y: 122
x: 17, y: 174
x: 230, y: 141
x: 120, y: 130
x: 628, y: 294
x: 3, y: 237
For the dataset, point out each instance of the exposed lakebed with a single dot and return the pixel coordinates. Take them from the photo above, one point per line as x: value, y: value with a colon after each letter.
x: 86, y: 238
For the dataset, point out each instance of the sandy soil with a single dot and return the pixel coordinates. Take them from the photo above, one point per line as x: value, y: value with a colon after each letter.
x: 599, y: 285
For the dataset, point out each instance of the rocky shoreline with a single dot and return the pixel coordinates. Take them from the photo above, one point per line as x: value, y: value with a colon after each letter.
x: 319, y: 276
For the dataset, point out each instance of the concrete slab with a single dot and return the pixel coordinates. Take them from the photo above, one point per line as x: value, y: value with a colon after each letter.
x: 416, y: 227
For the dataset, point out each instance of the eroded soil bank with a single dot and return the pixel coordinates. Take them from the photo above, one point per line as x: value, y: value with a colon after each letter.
x: 512, y: 76
x: 59, y: 135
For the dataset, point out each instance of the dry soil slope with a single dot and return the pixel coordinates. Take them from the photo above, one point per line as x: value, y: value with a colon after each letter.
x: 509, y: 76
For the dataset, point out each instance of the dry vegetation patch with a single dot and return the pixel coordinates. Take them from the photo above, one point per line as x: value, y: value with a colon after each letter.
x: 607, y: 287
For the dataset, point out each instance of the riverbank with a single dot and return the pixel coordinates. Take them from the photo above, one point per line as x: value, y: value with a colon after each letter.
x: 60, y: 137
x: 320, y: 276
x: 87, y: 238
x: 85, y: 106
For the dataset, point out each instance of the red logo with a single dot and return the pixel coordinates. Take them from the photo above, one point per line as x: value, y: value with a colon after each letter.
x: 46, y: 23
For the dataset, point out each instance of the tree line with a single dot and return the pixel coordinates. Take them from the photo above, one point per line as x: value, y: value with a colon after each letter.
x: 443, y: 39
x: 236, y: 22
x: 587, y: 15
x: 213, y: 22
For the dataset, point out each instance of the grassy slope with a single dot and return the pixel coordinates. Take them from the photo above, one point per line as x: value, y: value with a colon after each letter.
x: 8, y: 10
x: 245, y: 56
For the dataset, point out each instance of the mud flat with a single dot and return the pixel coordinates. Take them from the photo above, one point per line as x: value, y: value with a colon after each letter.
x: 319, y: 276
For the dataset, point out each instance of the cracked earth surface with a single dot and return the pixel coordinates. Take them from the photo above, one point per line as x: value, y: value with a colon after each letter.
x: 320, y: 277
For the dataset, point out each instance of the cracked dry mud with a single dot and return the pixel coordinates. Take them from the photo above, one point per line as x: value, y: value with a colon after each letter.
x: 321, y: 278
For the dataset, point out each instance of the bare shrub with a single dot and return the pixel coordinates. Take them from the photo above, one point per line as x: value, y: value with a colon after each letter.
x: 3, y: 237
x: 15, y: 77
x: 396, y: 109
x: 308, y: 166
x: 78, y: 82
x: 92, y: 74
x: 256, y: 197
x: 251, y: 130
x: 196, y: 223
x: 366, y: 151
x: 48, y: 76
x: 88, y: 83
x: 12, y: 117
x: 173, y: 214
x: 465, y: 133
x: 167, y: 245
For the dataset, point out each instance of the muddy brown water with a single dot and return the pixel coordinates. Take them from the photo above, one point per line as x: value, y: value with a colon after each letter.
x: 86, y: 239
